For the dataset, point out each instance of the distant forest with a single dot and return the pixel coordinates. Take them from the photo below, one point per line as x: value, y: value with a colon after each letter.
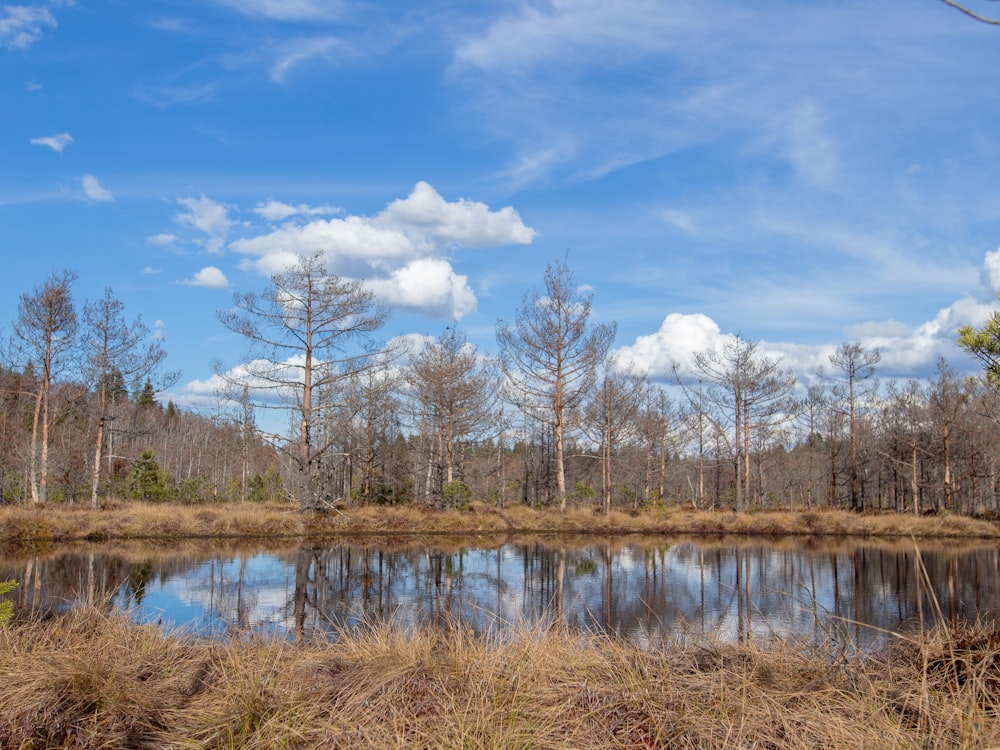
x: 552, y: 419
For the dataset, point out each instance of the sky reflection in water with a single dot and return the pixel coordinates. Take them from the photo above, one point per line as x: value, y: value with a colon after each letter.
x: 846, y: 594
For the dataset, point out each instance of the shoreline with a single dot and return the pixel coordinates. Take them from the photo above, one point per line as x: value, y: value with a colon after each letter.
x: 145, y: 521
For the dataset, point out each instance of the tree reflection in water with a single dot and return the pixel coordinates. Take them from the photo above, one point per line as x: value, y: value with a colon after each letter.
x: 645, y: 590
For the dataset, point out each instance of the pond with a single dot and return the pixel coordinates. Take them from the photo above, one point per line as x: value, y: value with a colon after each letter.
x: 848, y: 594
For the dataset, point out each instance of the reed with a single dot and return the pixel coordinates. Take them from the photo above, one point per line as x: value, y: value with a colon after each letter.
x: 57, y: 523
x: 87, y: 679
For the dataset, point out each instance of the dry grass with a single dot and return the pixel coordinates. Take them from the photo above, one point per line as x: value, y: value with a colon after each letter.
x: 163, y: 521
x: 85, y: 679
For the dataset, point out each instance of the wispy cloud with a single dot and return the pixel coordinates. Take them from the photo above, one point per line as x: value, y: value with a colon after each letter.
x: 206, y: 216
x: 23, y: 25
x: 302, y: 51
x: 162, y: 239
x: 638, y: 80
x: 272, y: 210
x: 287, y: 10
x: 56, y: 142
x: 166, y: 96
x: 94, y: 190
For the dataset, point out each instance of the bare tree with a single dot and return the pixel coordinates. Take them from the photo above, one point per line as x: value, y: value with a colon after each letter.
x: 612, y: 414
x: 754, y: 390
x: 371, y: 405
x: 855, y: 365
x: 116, y: 353
x: 453, y: 393
x: 661, y: 426
x: 550, y: 356
x: 973, y: 14
x: 307, y: 331
x: 44, y: 337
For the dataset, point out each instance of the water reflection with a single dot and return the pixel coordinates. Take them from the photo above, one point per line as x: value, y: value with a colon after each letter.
x: 646, y: 590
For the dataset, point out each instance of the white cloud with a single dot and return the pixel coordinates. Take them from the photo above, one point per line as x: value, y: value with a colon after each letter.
x: 94, y: 190
x: 396, y: 251
x: 162, y: 97
x: 991, y: 270
x: 693, y: 74
x: 427, y: 285
x: 210, y: 277
x: 276, y: 211
x: 906, y: 351
x: 22, y: 25
x: 162, y: 239
x: 287, y: 10
x: 679, y: 338
x: 56, y: 142
x: 872, y: 329
x: 207, y: 216
x: 303, y: 51
x: 148, y: 270
x: 426, y: 217
x: 808, y: 147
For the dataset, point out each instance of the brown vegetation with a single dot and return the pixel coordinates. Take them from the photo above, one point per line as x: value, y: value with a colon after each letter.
x: 85, y: 679
x: 167, y: 521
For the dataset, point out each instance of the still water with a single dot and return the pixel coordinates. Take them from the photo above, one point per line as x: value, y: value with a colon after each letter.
x: 847, y: 594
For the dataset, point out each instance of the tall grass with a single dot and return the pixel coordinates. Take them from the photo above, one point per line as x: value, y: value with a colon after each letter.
x: 165, y: 521
x: 86, y: 679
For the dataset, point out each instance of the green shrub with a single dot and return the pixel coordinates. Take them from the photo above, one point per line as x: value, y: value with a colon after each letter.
x: 6, y: 606
x: 147, y: 480
x: 456, y: 495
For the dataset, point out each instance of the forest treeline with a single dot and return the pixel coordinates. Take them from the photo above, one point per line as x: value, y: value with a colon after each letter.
x: 551, y: 419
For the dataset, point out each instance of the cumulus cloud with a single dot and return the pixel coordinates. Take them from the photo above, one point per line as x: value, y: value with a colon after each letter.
x: 991, y: 270
x: 210, y: 277
x: 206, y: 216
x: 427, y: 285
x: 23, y: 25
x: 679, y: 338
x: 906, y: 351
x: 94, y: 190
x: 56, y: 142
x: 425, y: 217
x: 397, y: 251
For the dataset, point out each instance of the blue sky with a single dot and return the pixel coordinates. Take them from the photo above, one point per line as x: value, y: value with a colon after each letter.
x: 799, y: 173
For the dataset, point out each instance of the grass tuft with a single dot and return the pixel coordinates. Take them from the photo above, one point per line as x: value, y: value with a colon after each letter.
x: 86, y: 679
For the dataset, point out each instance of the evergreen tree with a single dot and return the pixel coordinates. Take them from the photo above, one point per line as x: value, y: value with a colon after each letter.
x: 147, y: 480
x: 147, y: 396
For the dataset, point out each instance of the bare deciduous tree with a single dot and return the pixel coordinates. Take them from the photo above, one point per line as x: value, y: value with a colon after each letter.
x: 962, y: 8
x: 754, y: 390
x: 612, y: 413
x: 454, y: 395
x: 307, y: 331
x: 855, y: 365
x: 44, y: 337
x: 116, y: 353
x: 550, y: 356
